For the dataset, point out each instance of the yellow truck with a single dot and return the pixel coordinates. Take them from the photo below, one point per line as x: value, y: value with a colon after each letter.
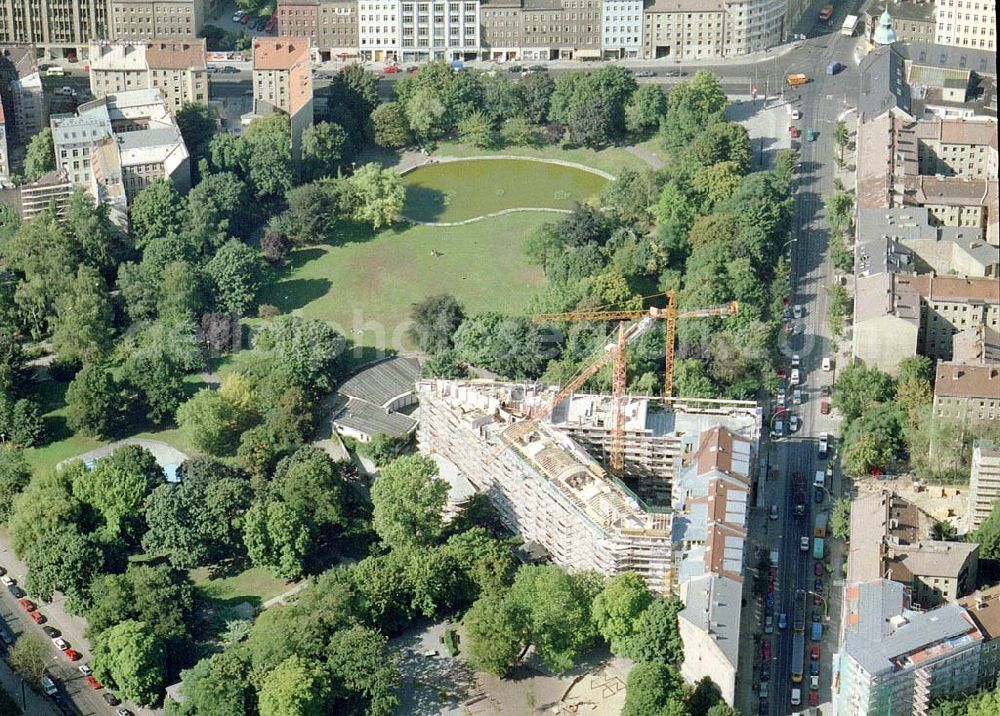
x: 797, y: 79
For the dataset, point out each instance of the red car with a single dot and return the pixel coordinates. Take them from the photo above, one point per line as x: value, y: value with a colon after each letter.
x: 794, y: 131
x: 37, y: 617
x: 814, y: 653
x: 72, y: 654
x: 824, y: 407
x: 27, y: 604
x: 391, y: 70
x: 245, y: 19
x: 818, y: 569
x: 94, y: 683
x: 765, y: 650
x: 814, y: 698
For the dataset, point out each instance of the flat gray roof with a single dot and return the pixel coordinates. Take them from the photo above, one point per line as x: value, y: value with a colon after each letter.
x: 383, y: 382
x: 371, y: 420
x: 713, y: 605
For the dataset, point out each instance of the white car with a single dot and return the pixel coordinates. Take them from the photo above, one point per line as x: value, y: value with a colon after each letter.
x: 779, y: 429
x: 66, y: 91
x: 6, y: 580
x: 827, y: 363
x: 781, y: 396
x: 796, y: 377
x: 794, y: 423
x: 797, y: 396
x: 85, y: 669
x: 814, y: 683
x: 237, y: 16
x: 797, y: 311
x: 796, y: 361
x: 796, y: 114
x: 804, y: 544
x: 48, y: 685
x: 60, y: 643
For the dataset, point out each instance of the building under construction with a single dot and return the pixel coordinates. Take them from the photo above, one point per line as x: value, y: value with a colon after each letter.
x: 546, y: 477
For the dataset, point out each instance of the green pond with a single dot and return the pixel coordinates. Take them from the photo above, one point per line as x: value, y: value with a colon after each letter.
x: 455, y: 191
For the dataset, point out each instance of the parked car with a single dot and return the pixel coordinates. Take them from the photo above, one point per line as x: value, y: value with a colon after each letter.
x: 797, y: 311
x: 60, y: 643
x: 797, y: 396
x: 66, y: 91
x: 94, y: 683
x: 245, y: 19
x: 16, y: 591
x: 824, y: 445
x: 768, y: 624
x: 391, y: 70
x: 51, y: 632
x: 85, y: 669
x: 774, y: 512
x: 230, y: 70
x: 123, y: 712
x: 814, y: 698
x: 645, y: 73
x: 674, y: 73
x: 5, y: 578
x: 765, y: 650
x: 814, y: 668
x: 237, y: 16
x: 817, y: 583
x: 804, y: 544
x: 49, y: 686
x: 827, y: 363
x: 779, y: 429
x: 27, y: 605
x: 796, y: 377
x: 72, y: 654
x: 37, y: 617
x: 794, y: 423
x: 814, y: 653
x: 824, y: 407
x: 515, y: 69
x: 818, y: 569
x: 110, y: 698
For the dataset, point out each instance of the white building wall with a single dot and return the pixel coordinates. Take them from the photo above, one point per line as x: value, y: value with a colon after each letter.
x: 621, y: 28
x: 438, y: 30
x: 967, y: 23
x: 754, y: 25
x: 378, y: 29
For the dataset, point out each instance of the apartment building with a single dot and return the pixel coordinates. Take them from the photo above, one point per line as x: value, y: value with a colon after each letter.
x: 967, y: 393
x: 967, y: 23
x: 894, y: 661
x: 378, y: 30
x: 331, y: 25
x: 25, y: 106
x: 984, y: 482
x: 709, y: 627
x: 117, y: 145
x: 561, y: 29
x: 890, y: 540
x: 501, y: 30
x: 913, y: 21
x: 621, y: 29
x: 755, y: 25
x: 438, y: 30
x: 51, y: 189
x: 282, y: 80
x: 55, y: 24
x: 175, y: 67
x: 144, y: 19
x: 684, y: 29
x: 984, y: 608
x: 961, y: 148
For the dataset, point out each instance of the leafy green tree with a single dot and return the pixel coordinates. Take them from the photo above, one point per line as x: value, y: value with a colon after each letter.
x: 518, y: 132
x: 365, y: 674
x: 618, y: 609
x: 840, y: 210
x: 645, y: 110
x: 20, y: 422
x: 651, y: 687
x: 312, y: 213
x: 156, y: 359
x: 218, y: 685
x: 46, y: 503
x: 590, y: 121
x: 269, y: 142
x: 841, y: 137
x: 426, y: 114
x: 306, y: 350
x: 838, y: 306
x: 536, y: 96
x: 117, y: 488
x: 435, y: 320
x: 158, y: 210
x: 391, y: 126
x: 100, y: 242
x: 691, y: 380
x: 509, y: 346
x: 296, y: 687
x: 866, y: 453
x: 236, y: 273
x: 66, y: 561
x: 446, y: 364
x: 988, y: 535
x: 30, y: 657
x: 840, y: 518
x: 15, y: 474
x: 162, y: 598
x: 376, y: 196
x: 199, y: 521
x: 128, y: 657
x: 277, y: 537
x: 352, y: 97
x: 210, y: 422
x: 724, y: 142
x: 83, y: 319
x: 692, y: 106
x: 657, y: 636
x: 487, y: 562
x: 217, y: 209
x: 382, y: 449
x: 96, y: 403
x: 920, y: 368
x: 324, y: 147
x: 858, y: 388
x: 40, y: 157
x: 477, y: 130
x: 408, y: 498
x: 198, y: 125
x: 495, y: 628
x: 313, y: 486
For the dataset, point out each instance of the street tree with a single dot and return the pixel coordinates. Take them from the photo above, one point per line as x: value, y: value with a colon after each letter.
x: 46, y: 503
x: 65, y: 561
x: 15, y: 474
x: 408, y: 498
x: 30, y: 657
x: 618, y: 608
x: 128, y: 657
x: 840, y: 518
x: 841, y: 137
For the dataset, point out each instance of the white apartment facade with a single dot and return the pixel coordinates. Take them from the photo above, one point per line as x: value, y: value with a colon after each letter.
x: 175, y: 67
x: 438, y: 30
x: 378, y: 30
x: 984, y: 483
x: 621, y: 29
x: 967, y: 23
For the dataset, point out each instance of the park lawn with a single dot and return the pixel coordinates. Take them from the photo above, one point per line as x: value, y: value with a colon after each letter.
x: 365, y: 288
x: 611, y: 159
x: 64, y: 444
x: 254, y: 585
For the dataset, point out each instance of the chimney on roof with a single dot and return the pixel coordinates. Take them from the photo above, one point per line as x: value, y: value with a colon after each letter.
x: 956, y: 374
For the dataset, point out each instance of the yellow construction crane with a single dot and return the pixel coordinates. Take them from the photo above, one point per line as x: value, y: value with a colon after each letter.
x: 616, y: 353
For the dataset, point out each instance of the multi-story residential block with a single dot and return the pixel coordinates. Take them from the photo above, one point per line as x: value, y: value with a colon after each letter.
x: 55, y: 24
x: 967, y: 393
x: 52, y: 189
x: 144, y: 19
x: 709, y: 627
x: 894, y: 661
x: 282, y: 80
x: 685, y: 29
x: 984, y: 482
x: 117, y: 145
x: 378, y: 30
x: 889, y: 539
x: 175, y: 67
x: 984, y: 608
x: 502, y: 30
x: 912, y: 21
x: 967, y: 23
x: 561, y: 29
x: 25, y: 107
x: 331, y: 25
x: 438, y: 30
x: 754, y: 25
x: 621, y: 29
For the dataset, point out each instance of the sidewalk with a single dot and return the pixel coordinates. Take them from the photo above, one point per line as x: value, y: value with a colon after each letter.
x: 37, y: 704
